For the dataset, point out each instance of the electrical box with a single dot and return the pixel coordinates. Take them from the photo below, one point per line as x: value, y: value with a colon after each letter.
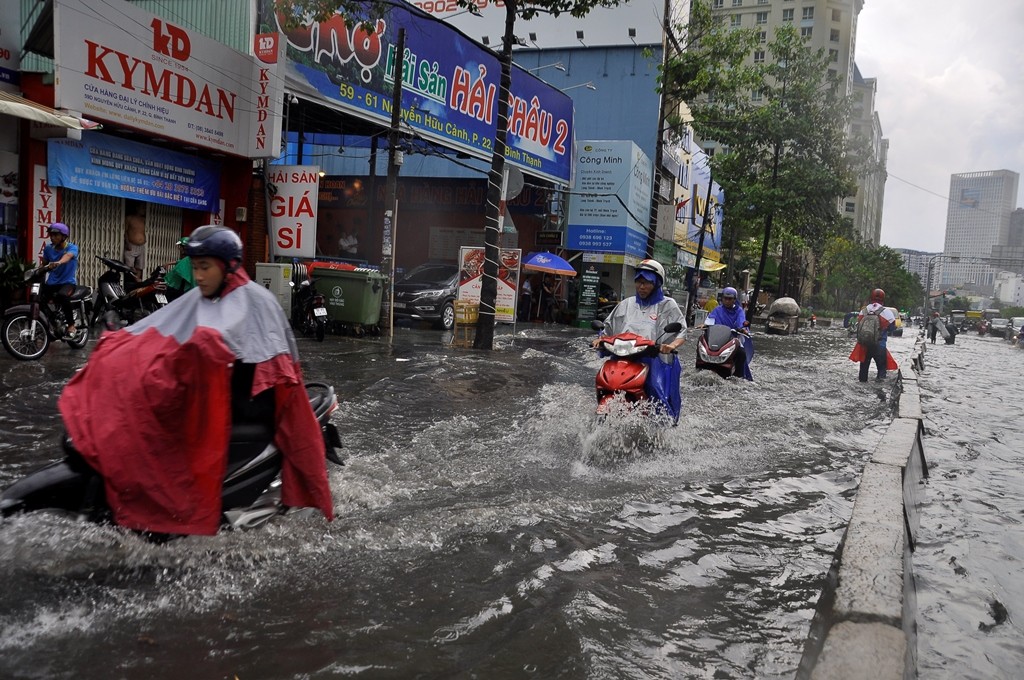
x: 277, y: 278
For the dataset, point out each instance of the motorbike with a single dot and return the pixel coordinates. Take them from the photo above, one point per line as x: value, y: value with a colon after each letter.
x: 133, y: 300
x: 250, y: 494
x: 624, y: 372
x: 309, y: 310
x: 28, y: 329
x: 720, y: 349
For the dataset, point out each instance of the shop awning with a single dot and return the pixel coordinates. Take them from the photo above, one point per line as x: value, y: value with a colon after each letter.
x: 711, y: 266
x: 13, y: 105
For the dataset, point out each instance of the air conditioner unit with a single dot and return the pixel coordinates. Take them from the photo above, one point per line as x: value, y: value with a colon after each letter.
x: 241, y: 214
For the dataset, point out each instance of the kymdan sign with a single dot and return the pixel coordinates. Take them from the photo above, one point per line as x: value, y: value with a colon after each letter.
x: 117, y: 63
x: 449, y: 85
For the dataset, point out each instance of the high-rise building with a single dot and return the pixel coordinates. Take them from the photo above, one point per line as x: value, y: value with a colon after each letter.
x: 977, y: 220
x: 829, y: 25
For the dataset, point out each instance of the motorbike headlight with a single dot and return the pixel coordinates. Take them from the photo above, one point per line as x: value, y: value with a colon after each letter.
x: 621, y: 348
x: 727, y: 352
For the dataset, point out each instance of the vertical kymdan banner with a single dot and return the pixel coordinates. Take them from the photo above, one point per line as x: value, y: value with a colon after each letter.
x: 292, y: 193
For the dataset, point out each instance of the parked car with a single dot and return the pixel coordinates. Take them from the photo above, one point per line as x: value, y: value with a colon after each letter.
x: 428, y: 292
x: 999, y: 328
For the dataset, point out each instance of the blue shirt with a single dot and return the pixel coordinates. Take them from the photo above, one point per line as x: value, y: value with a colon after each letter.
x: 733, y: 318
x: 66, y: 272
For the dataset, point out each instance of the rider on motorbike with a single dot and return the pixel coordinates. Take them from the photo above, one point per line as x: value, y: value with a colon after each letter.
x: 217, y: 356
x: 179, y: 277
x: 731, y: 314
x: 60, y: 259
x: 647, y: 314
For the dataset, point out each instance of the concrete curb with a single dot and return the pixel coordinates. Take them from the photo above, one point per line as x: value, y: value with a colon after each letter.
x: 865, y: 627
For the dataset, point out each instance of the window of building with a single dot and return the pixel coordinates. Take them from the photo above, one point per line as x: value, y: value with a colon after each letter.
x: 762, y: 37
x: 717, y: 4
x: 762, y: 2
x: 851, y: 207
x: 787, y: 15
x: 737, y: 3
x: 756, y: 95
x: 758, y: 56
x: 833, y: 74
x: 805, y: 32
x: 837, y: 15
x: 734, y: 20
x: 808, y: 13
x: 833, y: 35
x: 833, y: 55
x: 761, y: 18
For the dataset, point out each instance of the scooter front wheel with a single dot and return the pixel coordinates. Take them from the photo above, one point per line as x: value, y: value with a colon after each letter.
x: 24, y: 338
x: 81, y: 336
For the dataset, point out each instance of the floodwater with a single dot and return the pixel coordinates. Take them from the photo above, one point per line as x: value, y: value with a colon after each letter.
x: 488, y: 526
x: 967, y: 565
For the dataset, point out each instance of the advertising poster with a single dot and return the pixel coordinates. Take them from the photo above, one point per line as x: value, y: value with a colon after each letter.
x: 117, y: 63
x: 692, y: 215
x: 611, y: 206
x: 449, y: 85
x: 471, y: 265
x: 292, y: 204
x: 10, y: 46
x: 590, y: 283
x: 103, y: 164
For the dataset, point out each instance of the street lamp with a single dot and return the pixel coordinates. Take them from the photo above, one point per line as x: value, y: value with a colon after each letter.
x: 589, y: 85
x: 558, y: 66
x: 926, y: 307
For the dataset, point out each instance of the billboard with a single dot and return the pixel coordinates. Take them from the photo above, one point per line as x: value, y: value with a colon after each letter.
x: 449, y: 85
x: 120, y: 64
x: 471, y: 274
x: 610, y: 206
x: 292, y: 204
x: 691, y: 214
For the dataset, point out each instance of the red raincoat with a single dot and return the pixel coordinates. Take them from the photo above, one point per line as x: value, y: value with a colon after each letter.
x: 151, y: 410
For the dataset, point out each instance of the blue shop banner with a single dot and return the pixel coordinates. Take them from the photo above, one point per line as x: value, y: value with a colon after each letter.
x: 604, y: 239
x: 449, y: 85
x: 101, y: 164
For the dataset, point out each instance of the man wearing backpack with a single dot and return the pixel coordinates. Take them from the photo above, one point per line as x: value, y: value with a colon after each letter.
x: 873, y: 324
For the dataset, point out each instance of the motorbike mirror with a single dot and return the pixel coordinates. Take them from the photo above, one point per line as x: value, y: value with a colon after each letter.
x: 673, y: 327
x: 597, y: 325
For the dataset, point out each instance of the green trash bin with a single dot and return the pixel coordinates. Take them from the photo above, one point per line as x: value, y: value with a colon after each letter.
x: 353, y: 297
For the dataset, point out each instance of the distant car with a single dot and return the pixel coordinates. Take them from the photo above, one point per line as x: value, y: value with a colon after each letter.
x: 428, y: 293
x: 999, y: 328
x: 1015, y: 323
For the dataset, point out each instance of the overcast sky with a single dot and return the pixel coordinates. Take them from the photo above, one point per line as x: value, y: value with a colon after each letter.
x: 950, y: 100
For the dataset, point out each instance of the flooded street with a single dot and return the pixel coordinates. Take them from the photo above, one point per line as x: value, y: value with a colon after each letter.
x: 489, y: 526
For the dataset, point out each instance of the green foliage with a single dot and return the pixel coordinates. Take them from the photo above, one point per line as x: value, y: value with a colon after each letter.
x: 12, y: 273
x: 854, y: 270
x: 1010, y: 312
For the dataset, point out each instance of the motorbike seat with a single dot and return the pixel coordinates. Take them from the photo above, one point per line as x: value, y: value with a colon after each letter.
x: 81, y: 293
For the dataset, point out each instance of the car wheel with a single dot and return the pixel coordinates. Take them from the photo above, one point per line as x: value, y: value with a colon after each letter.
x: 447, y: 316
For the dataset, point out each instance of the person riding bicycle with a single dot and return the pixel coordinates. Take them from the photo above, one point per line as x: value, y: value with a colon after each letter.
x: 647, y: 314
x: 220, y: 354
x: 60, y: 259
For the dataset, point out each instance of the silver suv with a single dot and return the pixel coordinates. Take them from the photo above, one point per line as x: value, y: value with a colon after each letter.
x: 999, y: 328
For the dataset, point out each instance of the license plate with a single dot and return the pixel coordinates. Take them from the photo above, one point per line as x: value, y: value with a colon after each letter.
x: 319, y: 311
x: 399, y: 305
x: 161, y: 298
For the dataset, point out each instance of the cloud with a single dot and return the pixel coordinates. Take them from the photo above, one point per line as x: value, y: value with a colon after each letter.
x: 949, y: 99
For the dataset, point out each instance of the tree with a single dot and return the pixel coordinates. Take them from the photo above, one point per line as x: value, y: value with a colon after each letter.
x: 322, y: 9
x: 785, y: 161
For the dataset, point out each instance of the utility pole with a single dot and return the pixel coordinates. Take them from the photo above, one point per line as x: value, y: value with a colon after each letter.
x: 389, y: 232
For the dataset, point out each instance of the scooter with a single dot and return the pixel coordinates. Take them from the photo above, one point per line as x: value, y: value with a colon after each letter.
x: 720, y: 349
x: 28, y: 329
x: 250, y: 494
x: 624, y: 372
x: 309, y: 310
x: 133, y: 300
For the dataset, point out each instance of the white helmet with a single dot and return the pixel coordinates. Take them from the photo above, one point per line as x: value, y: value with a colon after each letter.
x: 653, y: 266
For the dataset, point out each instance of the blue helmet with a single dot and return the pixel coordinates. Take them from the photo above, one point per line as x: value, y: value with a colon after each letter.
x: 59, y: 227
x: 728, y: 291
x: 216, y: 241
